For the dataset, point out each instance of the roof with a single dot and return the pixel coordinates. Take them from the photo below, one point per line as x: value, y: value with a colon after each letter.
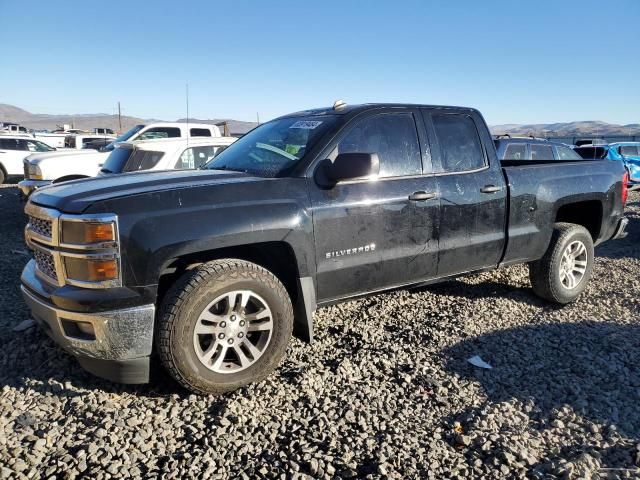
x: 17, y: 136
x: 354, y: 109
x: 528, y: 140
x: 619, y: 144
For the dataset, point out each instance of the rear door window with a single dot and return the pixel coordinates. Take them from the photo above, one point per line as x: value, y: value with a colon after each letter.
x: 565, y: 153
x: 460, y: 145
x: 541, y: 152
x: 515, y: 151
x: 160, y: 132
x: 629, y: 150
x: 200, y: 132
x: 393, y: 136
x: 195, y: 157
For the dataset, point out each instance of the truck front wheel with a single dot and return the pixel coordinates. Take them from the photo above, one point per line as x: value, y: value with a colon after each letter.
x: 564, y: 271
x: 223, y: 325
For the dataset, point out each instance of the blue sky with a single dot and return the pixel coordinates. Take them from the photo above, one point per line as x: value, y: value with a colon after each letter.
x: 517, y: 61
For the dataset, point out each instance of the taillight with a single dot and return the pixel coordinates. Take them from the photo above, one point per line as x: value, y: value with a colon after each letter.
x: 625, y: 187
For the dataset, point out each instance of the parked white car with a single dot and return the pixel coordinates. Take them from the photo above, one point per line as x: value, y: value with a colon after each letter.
x: 13, y: 150
x: 167, y: 154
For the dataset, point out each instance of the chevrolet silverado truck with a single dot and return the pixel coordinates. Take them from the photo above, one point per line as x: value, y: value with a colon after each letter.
x: 209, y: 272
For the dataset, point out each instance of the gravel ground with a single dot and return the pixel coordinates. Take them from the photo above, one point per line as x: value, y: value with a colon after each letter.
x: 385, y: 392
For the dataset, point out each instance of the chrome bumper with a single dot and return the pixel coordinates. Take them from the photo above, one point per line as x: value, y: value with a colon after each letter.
x: 620, y: 229
x: 115, y: 345
x: 28, y: 186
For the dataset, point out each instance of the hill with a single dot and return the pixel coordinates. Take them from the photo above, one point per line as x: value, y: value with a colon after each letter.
x: 37, y: 121
x: 10, y: 113
x: 569, y: 129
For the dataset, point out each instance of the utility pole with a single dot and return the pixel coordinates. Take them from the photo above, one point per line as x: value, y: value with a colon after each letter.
x: 258, y: 118
x: 119, y: 119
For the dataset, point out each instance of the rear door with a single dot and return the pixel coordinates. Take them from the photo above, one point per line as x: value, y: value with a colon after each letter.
x: 473, y: 192
x: 377, y: 233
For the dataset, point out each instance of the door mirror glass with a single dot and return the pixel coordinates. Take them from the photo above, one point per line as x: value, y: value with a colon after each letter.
x: 349, y: 166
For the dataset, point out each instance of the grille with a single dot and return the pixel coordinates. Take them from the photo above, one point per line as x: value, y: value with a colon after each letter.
x: 44, y: 262
x: 40, y: 226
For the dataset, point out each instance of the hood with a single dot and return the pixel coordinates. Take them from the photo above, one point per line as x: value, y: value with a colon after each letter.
x: 36, y: 158
x: 77, y: 195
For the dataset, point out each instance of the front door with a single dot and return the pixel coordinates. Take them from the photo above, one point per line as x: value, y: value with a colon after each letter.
x: 377, y: 233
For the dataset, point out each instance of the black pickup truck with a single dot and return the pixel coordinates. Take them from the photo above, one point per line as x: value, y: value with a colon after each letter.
x: 211, y: 271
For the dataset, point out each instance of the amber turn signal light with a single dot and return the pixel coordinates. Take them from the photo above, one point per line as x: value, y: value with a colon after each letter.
x: 87, y: 233
x: 85, y: 270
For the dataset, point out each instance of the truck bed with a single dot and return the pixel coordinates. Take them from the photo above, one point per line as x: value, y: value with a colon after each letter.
x: 539, y: 189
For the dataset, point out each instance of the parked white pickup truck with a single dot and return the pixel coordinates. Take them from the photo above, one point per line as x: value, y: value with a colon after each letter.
x: 13, y: 150
x: 88, y: 162
x: 167, y: 154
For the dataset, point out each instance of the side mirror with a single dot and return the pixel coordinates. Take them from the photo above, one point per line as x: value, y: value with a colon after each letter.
x: 348, y: 166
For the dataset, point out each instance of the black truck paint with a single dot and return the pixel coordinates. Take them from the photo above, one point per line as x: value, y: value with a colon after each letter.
x: 325, y: 242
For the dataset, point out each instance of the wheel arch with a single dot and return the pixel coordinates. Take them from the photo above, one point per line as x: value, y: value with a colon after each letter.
x: 276, y: 256
x: 587, y: 213
x: 4, y: 171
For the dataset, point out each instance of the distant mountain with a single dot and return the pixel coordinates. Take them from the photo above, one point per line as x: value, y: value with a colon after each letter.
x: 37, y: 121
x: 570, y: 129
x: 10, y: 113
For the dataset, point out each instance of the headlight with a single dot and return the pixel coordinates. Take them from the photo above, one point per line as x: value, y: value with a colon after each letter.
x: 34, y: 172
x: 83, y: 233
x: 90, y: 250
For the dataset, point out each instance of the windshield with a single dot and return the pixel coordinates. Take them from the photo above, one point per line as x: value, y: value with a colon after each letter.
x: 125, y: 136
x: 592, y: 153
x: 274, y: 148
x: 116, y: 160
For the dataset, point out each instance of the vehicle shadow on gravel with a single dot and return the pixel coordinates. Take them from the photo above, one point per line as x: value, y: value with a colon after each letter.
x: 488, y: 289
x: 584, y: 375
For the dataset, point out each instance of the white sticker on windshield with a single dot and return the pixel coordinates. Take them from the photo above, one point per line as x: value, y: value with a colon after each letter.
x: 306, y: 124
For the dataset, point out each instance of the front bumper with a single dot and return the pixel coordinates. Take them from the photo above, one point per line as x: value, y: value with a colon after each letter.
x: 27, y: 187
x: 115, y: 345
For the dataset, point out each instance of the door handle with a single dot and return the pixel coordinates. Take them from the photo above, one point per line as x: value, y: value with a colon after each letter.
x: 420, y: 196
x: 490, y: 189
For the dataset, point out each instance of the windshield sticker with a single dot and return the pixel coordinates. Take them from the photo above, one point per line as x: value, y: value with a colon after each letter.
x: 306, y: 124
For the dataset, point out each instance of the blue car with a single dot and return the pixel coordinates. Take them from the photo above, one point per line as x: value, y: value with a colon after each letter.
x: 626, y: 152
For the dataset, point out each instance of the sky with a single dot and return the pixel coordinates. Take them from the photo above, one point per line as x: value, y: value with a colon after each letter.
x: 517, y: 61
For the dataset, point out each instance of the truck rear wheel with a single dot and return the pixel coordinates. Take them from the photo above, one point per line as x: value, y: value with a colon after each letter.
x: 564, y: 271
x: 223, y: 325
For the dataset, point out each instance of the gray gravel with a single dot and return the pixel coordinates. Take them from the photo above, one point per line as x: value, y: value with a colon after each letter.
x: 385, y: 392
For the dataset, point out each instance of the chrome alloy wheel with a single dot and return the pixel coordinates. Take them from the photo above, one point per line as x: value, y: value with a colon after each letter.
x: 233, y: 331
x: 573, y: 264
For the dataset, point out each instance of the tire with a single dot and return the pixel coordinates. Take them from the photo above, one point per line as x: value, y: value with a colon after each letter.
x: 192, y: 303
x: 3, y: 176
x: 547, y: 277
